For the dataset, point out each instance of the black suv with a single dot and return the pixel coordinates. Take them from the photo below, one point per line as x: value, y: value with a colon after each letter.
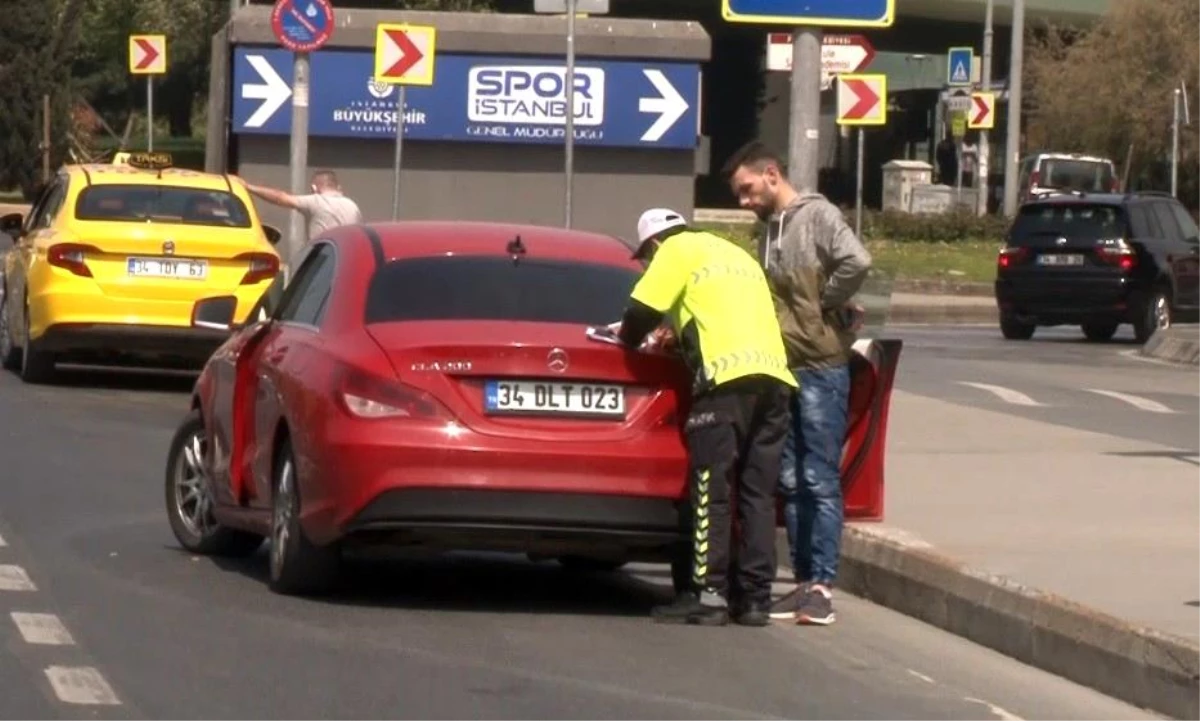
x: 1099, y: 260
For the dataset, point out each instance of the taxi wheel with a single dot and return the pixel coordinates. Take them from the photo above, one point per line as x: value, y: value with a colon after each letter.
x: 37, y: 366
x: 190, y: 502
x: 10, y: 354
x: 298, y: 567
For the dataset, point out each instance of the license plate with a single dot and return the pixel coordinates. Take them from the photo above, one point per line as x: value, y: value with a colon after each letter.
x: 1060, y: 259
x: 545, y: 398
x: 167, y: 268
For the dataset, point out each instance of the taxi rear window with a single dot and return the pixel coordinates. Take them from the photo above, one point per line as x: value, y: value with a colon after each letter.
x: 162, y: 204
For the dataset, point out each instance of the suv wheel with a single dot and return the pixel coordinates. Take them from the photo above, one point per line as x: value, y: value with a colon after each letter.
x: 1099, y: 332
x: 1016, y: 329
x: 1156, y: 315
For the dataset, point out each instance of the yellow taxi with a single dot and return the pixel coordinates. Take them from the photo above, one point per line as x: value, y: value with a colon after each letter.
x: 112, y: 258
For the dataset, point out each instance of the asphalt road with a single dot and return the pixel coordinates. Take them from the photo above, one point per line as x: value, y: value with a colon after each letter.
x: 137, y: 628
x: 1056, y: 377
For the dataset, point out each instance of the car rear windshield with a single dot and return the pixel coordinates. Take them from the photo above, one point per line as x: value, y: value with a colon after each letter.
x: 164, y: 204
x: 495, y: 288
x: 1086, y: 175
x: 1070, y: 220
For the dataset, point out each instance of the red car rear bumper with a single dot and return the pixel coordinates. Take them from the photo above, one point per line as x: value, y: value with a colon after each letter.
x: 420, y: 484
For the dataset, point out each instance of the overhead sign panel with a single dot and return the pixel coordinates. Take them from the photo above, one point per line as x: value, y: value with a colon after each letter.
x: 825, y: 13
x: 558, y: 7
x: 862, y: 100
x: 405, y: 54
x: 148, y: 54
x: 477, y: 98
x: 982, y: 115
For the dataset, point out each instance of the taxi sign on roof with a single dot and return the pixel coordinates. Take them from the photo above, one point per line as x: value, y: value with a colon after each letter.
x: 148, y: 161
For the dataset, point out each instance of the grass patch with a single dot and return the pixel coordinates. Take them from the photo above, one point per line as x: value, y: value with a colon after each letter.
x: 965, y: 261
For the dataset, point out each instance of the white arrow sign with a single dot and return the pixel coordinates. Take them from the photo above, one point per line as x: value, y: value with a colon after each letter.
x: 669, y: 105
x: 273, y: 91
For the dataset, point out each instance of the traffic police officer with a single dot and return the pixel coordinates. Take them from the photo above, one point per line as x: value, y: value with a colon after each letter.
x: 719, y: 304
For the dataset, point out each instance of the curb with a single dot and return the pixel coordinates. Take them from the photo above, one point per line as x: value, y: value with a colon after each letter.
x: 943, y: 314
x: 1141, y: 666
x: 944, y: 287
x: 1178, y: 344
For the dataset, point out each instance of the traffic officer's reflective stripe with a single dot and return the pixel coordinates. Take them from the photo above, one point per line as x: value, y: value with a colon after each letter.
x: 758, y: 359
x: 700, y: 567
x: 707, y: 272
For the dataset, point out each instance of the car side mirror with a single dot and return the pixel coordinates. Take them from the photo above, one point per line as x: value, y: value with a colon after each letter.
x: 274, y: 235
x: 11, y: 224
x: 215, y: 313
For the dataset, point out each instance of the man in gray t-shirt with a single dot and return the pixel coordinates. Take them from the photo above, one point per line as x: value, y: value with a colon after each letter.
x: 326, y: 207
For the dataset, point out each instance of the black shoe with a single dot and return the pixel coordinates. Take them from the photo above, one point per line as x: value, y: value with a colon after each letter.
x: 785, y: 607
x: 686, y: 608
x: 816, y: 607
x: 754, y: 614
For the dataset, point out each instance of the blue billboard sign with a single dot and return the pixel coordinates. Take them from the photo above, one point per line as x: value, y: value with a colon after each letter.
x: 825, y: 13
x: 477, y: 98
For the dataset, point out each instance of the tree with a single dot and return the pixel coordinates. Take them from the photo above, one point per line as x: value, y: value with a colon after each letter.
x: 1109, y: 88
x: 33, y: 46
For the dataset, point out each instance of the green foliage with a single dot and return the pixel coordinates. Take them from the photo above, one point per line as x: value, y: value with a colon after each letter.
x: 30, y: 67
x: 928, y: 228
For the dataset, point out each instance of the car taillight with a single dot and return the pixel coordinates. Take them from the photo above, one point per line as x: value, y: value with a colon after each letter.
x: 72, y: 257
x: 1118, y: 253
x: 1011, y: 256
x: 364, y: 395
x: 263, y: 266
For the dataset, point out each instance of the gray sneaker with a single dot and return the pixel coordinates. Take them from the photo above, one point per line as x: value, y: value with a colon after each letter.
x: 785, y: 607
x: 816, y: 607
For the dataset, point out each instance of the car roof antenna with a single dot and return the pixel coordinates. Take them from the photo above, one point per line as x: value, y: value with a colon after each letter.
x: 516, y: 249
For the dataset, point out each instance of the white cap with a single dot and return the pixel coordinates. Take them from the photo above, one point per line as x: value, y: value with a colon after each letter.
x: 656, y: 220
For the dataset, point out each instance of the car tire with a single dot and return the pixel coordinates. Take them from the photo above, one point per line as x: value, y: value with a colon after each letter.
x: 591, y: 565
x: 298, y: 566
x: 37, y: 366
x: 190, y: 502
x: 1099, y: 332
x: 1014, y: 329
x: 10, y: 352
x: 1156, y: 314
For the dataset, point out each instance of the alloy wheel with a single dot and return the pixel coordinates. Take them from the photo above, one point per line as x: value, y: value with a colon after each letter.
x: 1162, y: 313
x: 193, y: 499
x: 281, y: 514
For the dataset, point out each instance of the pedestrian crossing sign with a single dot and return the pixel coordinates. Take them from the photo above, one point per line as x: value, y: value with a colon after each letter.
x: 958, y: 66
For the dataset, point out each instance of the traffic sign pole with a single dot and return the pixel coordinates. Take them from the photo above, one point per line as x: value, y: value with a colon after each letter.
x: 569, y: 154
x: 404, y: 55
x: 858, y: 185
x: 301, y: 30
x: 398, y: 163
x: 150, y: 113
x: 861, y: 101
x: 1012, y: 145
x: 804, y: 136
x: 985, y: 82
x: 148, y: 56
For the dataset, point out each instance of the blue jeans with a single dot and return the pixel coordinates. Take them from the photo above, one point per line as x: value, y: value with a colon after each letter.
x: 813, y: 511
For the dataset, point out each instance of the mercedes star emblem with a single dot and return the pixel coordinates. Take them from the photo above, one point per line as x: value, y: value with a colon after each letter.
x: 557, y: 360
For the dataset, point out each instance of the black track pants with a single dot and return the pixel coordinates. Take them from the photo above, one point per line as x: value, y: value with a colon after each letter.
x: 735, y: 436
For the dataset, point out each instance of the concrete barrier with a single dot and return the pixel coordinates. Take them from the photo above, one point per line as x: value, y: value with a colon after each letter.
x: 1177, y: 344
x: 1141, y: 666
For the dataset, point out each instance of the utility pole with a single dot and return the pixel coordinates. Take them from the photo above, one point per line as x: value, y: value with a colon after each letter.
x: 985, y: 80
x: 804, y: 136
x: 1012, y: 146
x: 1175, y: 143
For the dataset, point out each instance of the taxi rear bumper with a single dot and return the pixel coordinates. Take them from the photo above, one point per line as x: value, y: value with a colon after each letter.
x: 99, y: 341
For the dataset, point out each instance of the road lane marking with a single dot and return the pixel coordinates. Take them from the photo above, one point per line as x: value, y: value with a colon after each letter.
x: 14, y: 578
x: 44, y: 629
x: 1008, y: 395
x: 1142, y: 404
x: 2, y: 543
x: 999, y: 712
x: 81, y: 685
x: 921, y: 676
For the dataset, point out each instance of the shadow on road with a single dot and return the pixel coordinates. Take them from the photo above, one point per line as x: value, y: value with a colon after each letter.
x: 479, y: 583
x: 125, y: 378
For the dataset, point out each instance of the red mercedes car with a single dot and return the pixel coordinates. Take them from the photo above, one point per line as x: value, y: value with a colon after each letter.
x: 432, y: 384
